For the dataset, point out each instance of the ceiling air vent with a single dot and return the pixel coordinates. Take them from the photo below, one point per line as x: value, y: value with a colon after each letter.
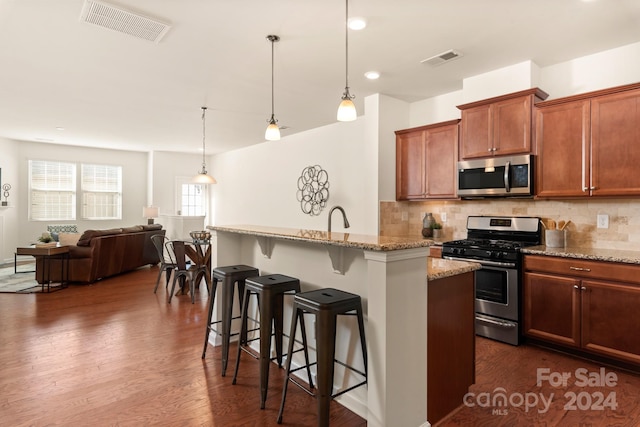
x: 123, y: 21
x: 441, y: 58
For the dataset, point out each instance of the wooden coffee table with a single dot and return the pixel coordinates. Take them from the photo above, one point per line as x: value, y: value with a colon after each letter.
x: 49, y: 254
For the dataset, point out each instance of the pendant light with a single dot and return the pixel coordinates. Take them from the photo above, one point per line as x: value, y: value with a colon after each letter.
x: 273, y: 132
x: 202, y: 177
x: 347, y: 109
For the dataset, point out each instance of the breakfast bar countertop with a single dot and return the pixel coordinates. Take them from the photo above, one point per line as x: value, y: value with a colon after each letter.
x: 334, y: 238
x: 592, y: 254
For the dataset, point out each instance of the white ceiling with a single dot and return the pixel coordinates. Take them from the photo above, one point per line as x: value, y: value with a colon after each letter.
x: 108, y: 89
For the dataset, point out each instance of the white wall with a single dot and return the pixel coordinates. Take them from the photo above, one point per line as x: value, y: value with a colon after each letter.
x: 602, y: 70
x: 258, y: 184
x: 19, y: 231
x: 166, y: 167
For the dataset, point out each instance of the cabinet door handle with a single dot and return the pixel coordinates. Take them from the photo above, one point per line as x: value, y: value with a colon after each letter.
x: 576, y: 287
x: 583, y: 288
x: 593, y: 188
x: 579, y: 269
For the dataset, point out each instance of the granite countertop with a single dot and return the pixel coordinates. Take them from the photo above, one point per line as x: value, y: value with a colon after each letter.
x: 349, y: 240
x: 438, y: 268
x: 610, y: 255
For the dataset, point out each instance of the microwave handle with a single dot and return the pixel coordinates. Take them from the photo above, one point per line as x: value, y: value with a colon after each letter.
x: 507, y: 180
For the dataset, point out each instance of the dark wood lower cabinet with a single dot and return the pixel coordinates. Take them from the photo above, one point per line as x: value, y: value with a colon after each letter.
x: 450, y: 344
x: 563, y: 305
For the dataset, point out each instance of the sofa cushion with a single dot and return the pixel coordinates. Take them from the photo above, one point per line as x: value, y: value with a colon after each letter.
x: 85, y: 239
x: 150, y: 227
x: 133, y: 229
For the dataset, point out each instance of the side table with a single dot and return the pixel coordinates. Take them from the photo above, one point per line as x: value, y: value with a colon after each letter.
x: 49, y: 254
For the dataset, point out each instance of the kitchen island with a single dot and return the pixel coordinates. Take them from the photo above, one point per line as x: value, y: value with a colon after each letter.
x: 389, y: 273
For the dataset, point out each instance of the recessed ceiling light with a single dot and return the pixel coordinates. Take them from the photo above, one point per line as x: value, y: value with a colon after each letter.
x: 59, y: 128
x: 357, y: 23
x: 372, y: 75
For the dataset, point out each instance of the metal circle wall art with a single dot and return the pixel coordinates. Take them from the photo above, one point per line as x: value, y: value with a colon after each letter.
x: 313, y: 189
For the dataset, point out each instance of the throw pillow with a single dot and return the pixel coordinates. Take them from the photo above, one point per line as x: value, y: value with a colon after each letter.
x: 68, y: 239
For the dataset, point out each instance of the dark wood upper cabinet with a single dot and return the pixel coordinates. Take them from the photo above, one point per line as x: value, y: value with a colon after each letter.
x: 499, y: 126
x: 426, y: 159
x: 589, y: 144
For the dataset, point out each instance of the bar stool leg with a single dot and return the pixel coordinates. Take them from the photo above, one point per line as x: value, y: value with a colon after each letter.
x: 243, y: 326
x: 266, y: 319
x: 278, y: 325
x: 363, y: 340
x: 297, y: 313
x: 326, y: 333
x: 227, y: 307
x: 212, y: 301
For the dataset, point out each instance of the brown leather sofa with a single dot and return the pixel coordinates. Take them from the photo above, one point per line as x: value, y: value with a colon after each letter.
x: 104, y: 253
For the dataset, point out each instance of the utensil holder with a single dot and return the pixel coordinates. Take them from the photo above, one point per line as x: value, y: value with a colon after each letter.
x: 554, y: 238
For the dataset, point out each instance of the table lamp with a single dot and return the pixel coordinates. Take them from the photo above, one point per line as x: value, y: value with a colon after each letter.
x: 150, y: 212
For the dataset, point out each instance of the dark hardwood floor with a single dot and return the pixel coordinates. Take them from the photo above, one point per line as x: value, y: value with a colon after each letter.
x: 113, y: 353
x: 513, y: 372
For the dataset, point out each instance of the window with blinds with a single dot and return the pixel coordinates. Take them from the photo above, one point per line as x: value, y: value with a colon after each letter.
x: 52, y: 190
x: 101, y: 192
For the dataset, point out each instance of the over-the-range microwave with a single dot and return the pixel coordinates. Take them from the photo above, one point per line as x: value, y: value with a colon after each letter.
x: 496, y: 177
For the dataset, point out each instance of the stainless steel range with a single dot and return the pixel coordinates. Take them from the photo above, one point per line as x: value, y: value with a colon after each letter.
x: 495, y: 242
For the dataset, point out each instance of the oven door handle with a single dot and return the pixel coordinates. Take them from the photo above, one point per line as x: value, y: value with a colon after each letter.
x: 502, y: 324
x: 483, y: 262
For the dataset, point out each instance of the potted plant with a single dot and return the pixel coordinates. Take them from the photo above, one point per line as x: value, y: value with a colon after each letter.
x: 45, y: 240
x: 436, y: 227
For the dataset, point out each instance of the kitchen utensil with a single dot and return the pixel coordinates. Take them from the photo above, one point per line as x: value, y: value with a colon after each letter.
x: 552, y: 225
x: 561, y: 224
x: 562, y: 227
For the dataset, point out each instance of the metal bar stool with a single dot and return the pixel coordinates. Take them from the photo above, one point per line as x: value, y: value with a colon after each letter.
x: 229, y: 275
x: 326, y: 304
x: 270, y: 290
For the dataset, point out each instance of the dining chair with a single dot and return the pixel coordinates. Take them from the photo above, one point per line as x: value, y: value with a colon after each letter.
x: 193, y: 273
x: 166, y: 265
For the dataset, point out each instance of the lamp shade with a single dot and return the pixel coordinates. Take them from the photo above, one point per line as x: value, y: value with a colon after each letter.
x: 346, y: 111
x: 272, y: 133
x: 203, y: 178
x: 150, y: 212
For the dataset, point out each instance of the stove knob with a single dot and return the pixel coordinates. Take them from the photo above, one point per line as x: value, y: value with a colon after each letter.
x: 499, y: 255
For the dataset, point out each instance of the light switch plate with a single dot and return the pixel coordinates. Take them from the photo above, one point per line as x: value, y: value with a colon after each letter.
x: 603, y: 221
x: 443, y: 216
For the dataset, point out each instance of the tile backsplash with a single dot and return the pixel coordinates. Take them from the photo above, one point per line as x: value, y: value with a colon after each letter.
x: 405, y: 218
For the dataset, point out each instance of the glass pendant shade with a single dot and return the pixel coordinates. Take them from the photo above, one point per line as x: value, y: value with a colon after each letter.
x: 273, y: 131
x: 346, y: 111
x: 203, y: 178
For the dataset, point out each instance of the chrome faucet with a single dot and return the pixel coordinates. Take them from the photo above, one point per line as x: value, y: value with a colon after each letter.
x: 344, y: 215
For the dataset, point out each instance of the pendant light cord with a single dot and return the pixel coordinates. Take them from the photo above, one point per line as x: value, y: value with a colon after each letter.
x: 346, y: 45
x: 204, y: 110
x: 272, y: 81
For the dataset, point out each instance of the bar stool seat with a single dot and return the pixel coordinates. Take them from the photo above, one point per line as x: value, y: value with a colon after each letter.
x: 229, y: 276
x: 270, y: 290
x: 325, y: 304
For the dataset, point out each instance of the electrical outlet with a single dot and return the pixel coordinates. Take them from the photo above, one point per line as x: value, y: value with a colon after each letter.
x: 443, y: 217
x: 603, y: 221
x: 405, y: 216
